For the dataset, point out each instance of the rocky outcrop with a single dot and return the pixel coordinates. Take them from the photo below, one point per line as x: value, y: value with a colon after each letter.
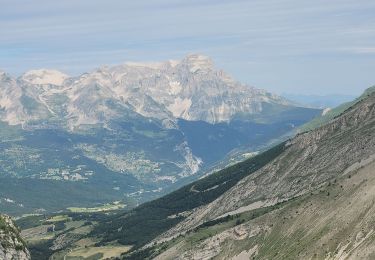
x: 12, y: 247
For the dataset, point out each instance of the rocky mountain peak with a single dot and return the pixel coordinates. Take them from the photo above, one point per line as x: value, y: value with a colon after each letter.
x: 197, y: 62
x: 191, y: 89
x: 44, y: 76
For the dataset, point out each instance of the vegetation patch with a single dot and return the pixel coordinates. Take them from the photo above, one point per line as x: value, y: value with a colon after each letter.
x: 58, y: 218
x: 103, y: 252
x: 106, y: 207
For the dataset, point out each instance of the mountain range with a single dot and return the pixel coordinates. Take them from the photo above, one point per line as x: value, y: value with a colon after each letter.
x: 130, y: 132
x: 190, y: 89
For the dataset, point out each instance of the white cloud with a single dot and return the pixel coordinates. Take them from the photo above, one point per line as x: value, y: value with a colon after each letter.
x: 360, y: 50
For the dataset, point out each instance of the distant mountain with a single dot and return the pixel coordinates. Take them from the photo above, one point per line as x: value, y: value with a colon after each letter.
x: 44, y: 77
x: 316, y: 187
x: 190, y: 89
x: 323, y: 101
x: 135, y: 130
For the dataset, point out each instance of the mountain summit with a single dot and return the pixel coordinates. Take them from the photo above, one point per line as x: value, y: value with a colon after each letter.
x: 43, y: 76
x: 191, y: 89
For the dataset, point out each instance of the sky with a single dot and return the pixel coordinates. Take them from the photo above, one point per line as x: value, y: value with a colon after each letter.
x: 286, y: 46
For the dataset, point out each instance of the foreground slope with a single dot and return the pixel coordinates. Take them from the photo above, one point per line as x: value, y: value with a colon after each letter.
x: 335, y: 221
x: 317, y: 190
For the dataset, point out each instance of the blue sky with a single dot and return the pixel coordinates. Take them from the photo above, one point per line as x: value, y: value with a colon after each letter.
x: 294, y: 46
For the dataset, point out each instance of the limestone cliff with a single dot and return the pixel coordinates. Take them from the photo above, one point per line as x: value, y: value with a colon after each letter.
x: 12, y: 247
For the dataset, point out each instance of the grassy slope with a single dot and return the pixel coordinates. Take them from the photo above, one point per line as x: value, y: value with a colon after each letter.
x: 331, y: 221
x: 40, y: 237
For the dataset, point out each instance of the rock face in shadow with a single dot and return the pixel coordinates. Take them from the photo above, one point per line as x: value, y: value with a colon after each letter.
x: 12, y: 247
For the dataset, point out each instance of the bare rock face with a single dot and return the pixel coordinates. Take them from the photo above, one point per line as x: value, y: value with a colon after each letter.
x: 12, y: 247
x: 42, y: 76
x: 190, y: 89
